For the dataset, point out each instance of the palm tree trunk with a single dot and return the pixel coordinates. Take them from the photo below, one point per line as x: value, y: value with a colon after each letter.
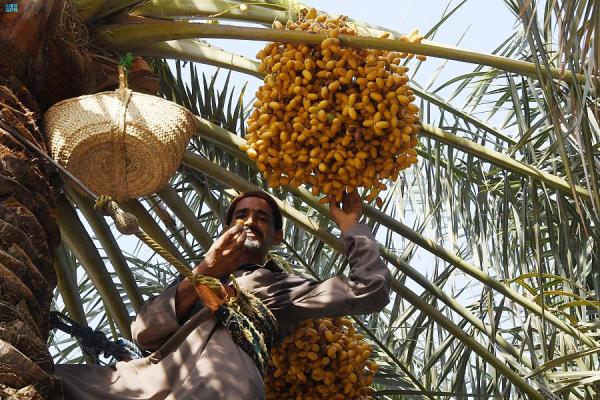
x: 44, y: 58
x: 28, y: 234
x: 28, y: 229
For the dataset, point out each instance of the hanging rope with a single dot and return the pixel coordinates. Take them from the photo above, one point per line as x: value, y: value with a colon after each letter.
x: 210, y: 290
x: 94, y: 342
x: 251, y: 325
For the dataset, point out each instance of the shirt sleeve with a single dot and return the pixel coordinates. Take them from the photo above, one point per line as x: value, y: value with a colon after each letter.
x: 365, y: 289
x: 156, y: 321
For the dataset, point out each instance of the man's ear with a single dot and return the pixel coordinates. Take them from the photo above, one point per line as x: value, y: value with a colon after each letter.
x: 278, y: 237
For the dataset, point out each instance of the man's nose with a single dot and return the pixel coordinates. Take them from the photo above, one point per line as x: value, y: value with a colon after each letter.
x: 250, y: 220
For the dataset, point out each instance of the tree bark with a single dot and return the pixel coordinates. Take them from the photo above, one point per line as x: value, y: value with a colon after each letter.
x: 46, y: 55
x: 28, y: 234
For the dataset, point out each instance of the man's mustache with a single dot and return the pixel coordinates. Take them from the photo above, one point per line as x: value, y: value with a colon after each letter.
x: 253, y: 230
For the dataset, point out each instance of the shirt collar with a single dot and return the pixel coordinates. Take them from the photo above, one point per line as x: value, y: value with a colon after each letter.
x: 270, y: 265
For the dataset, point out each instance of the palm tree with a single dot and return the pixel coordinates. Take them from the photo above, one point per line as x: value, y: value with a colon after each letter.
x: 507, y: 213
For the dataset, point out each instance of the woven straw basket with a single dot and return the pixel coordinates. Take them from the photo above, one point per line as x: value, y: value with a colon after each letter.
x: 123, y: 144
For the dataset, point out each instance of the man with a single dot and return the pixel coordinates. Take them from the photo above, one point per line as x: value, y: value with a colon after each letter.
x: 194, y: 357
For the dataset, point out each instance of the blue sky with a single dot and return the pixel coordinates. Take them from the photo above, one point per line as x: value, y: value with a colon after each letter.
x: 486, y: 22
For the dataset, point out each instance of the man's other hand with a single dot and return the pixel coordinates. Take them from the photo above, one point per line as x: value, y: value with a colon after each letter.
x: 349, y: 214
x: 224, y: 257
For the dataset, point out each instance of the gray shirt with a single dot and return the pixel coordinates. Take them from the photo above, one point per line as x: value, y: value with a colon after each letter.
x: 197, y: 358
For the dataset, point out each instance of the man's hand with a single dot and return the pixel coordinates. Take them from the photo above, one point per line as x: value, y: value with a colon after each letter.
x: 223, y: 258
x: 225, y: 255
x: 350, y: 213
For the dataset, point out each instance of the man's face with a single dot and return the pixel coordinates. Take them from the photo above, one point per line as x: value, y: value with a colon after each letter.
x: 258, y: 222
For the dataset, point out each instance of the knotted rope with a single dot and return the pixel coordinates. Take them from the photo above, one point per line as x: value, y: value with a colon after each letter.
x: 251, y: 325
x: 118, y: 165
x: 94, y: 342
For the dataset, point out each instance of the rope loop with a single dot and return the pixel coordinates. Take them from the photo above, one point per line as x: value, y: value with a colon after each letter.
x: 126, y: 223
x: 94, y: 342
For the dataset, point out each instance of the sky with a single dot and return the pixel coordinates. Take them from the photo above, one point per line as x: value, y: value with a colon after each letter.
x: 486, y: 22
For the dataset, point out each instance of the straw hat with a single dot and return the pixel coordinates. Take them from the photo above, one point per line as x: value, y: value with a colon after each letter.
x: 123, y: 144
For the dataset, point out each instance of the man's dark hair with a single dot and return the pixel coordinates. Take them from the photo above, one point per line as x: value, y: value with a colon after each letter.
x: 277, y: 218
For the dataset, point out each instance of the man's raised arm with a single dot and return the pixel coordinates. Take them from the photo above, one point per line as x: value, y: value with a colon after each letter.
x: 364, y: 290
